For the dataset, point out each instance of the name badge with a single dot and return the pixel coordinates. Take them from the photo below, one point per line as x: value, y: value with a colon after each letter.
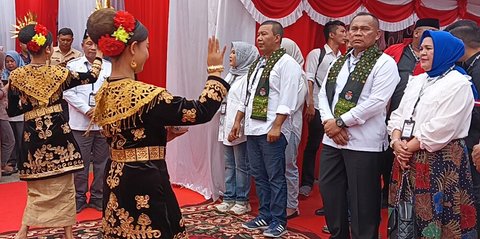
x: 91, y: 100
x: 223, y: 108
x: 407, y: 130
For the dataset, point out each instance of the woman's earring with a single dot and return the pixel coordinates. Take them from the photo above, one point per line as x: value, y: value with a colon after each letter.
x: 133, y: 65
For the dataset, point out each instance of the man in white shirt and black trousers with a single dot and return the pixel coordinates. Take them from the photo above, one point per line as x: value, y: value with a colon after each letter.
x: 318, y: 62
x: 353, y: 101
x: 270, y: 97
x: 93, y: 146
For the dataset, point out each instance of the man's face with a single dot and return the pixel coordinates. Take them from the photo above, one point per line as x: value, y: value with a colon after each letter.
x: 267, y: 41
x: 65, y: 42
x: 340, y: 35
x: 363, y: 33
x: 89, y: 48
x: 418, y: 32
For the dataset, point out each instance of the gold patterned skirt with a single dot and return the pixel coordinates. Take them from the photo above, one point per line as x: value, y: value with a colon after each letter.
x: 50, y: 202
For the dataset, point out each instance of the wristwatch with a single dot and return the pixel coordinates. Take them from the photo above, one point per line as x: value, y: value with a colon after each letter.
x: 340, y: 123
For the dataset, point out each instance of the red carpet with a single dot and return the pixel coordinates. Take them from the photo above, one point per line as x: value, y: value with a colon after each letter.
x: 13, y: 198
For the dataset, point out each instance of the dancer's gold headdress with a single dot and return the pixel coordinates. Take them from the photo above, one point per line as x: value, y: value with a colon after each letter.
x: 30, y: 18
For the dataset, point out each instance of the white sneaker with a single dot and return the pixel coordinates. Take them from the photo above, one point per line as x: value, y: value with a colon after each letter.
x: 224, y: 206
x: 240, y: 209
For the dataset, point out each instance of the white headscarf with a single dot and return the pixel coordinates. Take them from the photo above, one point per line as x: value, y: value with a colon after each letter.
x: 245, y: 54
x: 293, y: 50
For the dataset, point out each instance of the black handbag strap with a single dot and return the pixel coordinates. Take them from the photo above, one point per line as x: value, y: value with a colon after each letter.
x: 405, y: 188
x: 320, y: 59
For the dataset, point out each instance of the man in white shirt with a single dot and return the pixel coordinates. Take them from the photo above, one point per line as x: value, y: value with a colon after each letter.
x: 271, y: 96
x: 93, y: 146
x: 353, y: 101
x: 318, y: 62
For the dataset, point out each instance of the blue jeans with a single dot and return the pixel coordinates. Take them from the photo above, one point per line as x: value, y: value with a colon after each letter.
x: 267, y: 165
x: 237, y: 175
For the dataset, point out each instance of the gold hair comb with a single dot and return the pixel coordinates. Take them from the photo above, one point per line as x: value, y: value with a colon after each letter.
x: 30, y: 18
x: 103, y: 4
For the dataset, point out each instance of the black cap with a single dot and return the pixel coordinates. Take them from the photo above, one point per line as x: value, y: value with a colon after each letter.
x: 427, y: 22
x: 85, y: 34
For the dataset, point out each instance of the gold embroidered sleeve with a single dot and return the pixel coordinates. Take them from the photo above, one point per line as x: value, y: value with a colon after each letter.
x: 82, y: 78
x: 176, y: 110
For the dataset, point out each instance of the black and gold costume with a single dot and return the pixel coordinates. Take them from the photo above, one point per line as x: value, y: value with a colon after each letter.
x: 138, y: 199
x: 49, y: 148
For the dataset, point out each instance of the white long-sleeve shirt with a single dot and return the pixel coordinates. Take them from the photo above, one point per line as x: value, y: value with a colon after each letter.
x: 77, y: 97
x: 321, y: 70
x: 234, y: 101
x: 366, y: 121
x: 282, y: 97
x: 296, y: 119
x: 443, y: 112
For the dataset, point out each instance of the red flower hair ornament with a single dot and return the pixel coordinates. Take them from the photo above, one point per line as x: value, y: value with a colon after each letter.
x: 39, y: 39
x: 114, y: 44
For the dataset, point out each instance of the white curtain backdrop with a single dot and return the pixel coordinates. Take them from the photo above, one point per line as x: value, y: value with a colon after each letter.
x: 195, y: 160
x: 7, y: 20
x: 74, y: 14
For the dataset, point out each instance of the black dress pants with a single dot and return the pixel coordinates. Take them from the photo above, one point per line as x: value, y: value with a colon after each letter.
x: 315, y: 136
x: 356, y: 175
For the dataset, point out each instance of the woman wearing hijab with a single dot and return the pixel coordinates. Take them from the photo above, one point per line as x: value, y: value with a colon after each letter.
x: 13, y: 60
x: 7, y: 140
x: 427, y: 132
x: 237, y: 176
x: 295, y: 121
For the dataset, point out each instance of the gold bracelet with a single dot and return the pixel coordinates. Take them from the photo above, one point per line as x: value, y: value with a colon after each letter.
x: 217, y: 68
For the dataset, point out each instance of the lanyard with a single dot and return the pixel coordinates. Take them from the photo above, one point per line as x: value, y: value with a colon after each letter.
x: 351, y: 65
x: 473, y: 62
x: 260, y: 65
x: 427, y: 84
x: 417, y: 59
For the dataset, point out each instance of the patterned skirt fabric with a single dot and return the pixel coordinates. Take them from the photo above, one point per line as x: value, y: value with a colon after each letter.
x: 139, y: 202
x: 443, y: 193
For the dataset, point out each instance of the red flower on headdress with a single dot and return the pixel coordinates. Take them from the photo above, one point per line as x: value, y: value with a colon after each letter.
x: 33, y: 46
x: 40, y: 29
x: 110, y: 46
x: 124, y: 19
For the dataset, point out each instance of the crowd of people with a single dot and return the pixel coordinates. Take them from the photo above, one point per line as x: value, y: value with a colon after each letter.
x: 401, y: 119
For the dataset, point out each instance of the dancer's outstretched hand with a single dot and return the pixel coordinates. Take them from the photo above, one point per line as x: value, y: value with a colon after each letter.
x: 215, y: 54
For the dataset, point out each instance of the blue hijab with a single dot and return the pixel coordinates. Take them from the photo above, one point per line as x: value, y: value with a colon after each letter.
x: 17, y: 58
x: 447, y: 51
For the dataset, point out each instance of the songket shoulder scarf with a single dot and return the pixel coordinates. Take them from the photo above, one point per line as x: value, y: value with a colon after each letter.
x: 260, y: 100
x: 350, y: 94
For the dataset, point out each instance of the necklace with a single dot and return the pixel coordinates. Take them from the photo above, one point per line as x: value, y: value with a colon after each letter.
x: 417, y: 59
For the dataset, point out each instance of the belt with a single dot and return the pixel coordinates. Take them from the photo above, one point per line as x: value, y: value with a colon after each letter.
x: 39, y: 112
x: 138, y: 154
